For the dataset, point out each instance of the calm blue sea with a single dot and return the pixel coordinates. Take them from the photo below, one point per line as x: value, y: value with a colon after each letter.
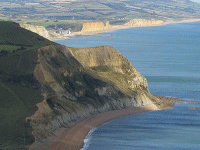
x: 169, y: 57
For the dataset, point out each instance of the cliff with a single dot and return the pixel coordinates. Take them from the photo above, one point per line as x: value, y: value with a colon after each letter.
x: 95, y: 27
x: 143, y: 22
x: 77, y: 83
x: 37, y: 29
x: 110, y: 61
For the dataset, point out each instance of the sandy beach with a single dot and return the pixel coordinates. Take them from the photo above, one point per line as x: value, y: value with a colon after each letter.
x: 72, y: 138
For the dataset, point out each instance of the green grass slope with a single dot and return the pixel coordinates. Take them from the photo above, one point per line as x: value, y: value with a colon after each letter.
x: 13, y: 37
x: 20, y: 91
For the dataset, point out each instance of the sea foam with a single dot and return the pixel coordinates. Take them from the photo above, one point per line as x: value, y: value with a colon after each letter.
x: 88, y: 139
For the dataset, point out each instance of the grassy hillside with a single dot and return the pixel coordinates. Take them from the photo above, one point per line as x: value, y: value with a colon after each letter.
x: 20, y: 91
x: 14, y: 38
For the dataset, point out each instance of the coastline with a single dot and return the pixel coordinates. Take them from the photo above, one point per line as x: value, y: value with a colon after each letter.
x: 120, y: 27
x: 73, y: 137
x: 181, y: 21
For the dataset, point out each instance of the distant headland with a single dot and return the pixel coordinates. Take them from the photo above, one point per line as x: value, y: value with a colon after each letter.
x: 91, y: 28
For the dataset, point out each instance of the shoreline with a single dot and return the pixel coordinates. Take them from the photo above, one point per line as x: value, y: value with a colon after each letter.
x: 73, y: 137
x: 120, y: 27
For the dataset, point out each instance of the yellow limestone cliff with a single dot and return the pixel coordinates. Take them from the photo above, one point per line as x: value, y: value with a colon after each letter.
x: 95, y: 27
x: 36, y: 29
x: 143, y: 22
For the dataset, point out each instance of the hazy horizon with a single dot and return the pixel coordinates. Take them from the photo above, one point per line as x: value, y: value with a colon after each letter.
x: 198, y: 1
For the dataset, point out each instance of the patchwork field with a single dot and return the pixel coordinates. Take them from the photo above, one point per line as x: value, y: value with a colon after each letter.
x: 48, y: 12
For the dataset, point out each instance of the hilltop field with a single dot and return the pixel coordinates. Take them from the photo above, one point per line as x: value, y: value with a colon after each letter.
x: 71, y: 14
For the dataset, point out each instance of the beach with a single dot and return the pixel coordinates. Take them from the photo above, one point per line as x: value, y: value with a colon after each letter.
x: 72, y: 138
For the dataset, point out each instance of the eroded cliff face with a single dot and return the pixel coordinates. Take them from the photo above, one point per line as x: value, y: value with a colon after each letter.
x: 95, y: 27
x: 143, y: 22
x: 37, y: 29
x: 106, y: 57
x: 77, y: 83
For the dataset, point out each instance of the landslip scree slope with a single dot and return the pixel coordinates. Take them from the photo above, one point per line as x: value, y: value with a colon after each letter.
x: 77, y: 83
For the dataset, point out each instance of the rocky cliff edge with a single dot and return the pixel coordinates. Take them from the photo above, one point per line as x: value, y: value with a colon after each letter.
x: 77, y: 83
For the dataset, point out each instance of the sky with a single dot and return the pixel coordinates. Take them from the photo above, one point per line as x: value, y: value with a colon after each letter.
x: 196, y: 1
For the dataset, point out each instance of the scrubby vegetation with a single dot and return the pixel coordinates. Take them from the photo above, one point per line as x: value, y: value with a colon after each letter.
x: 121, y: 80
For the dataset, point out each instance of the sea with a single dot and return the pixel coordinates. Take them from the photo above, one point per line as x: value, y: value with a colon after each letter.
x: 169, y: 57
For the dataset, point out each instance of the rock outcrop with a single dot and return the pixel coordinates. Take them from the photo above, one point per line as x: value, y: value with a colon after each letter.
x: 37, y: 29
x: 95, y: 27
x: 77, y: 83
x: 143, y: 22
